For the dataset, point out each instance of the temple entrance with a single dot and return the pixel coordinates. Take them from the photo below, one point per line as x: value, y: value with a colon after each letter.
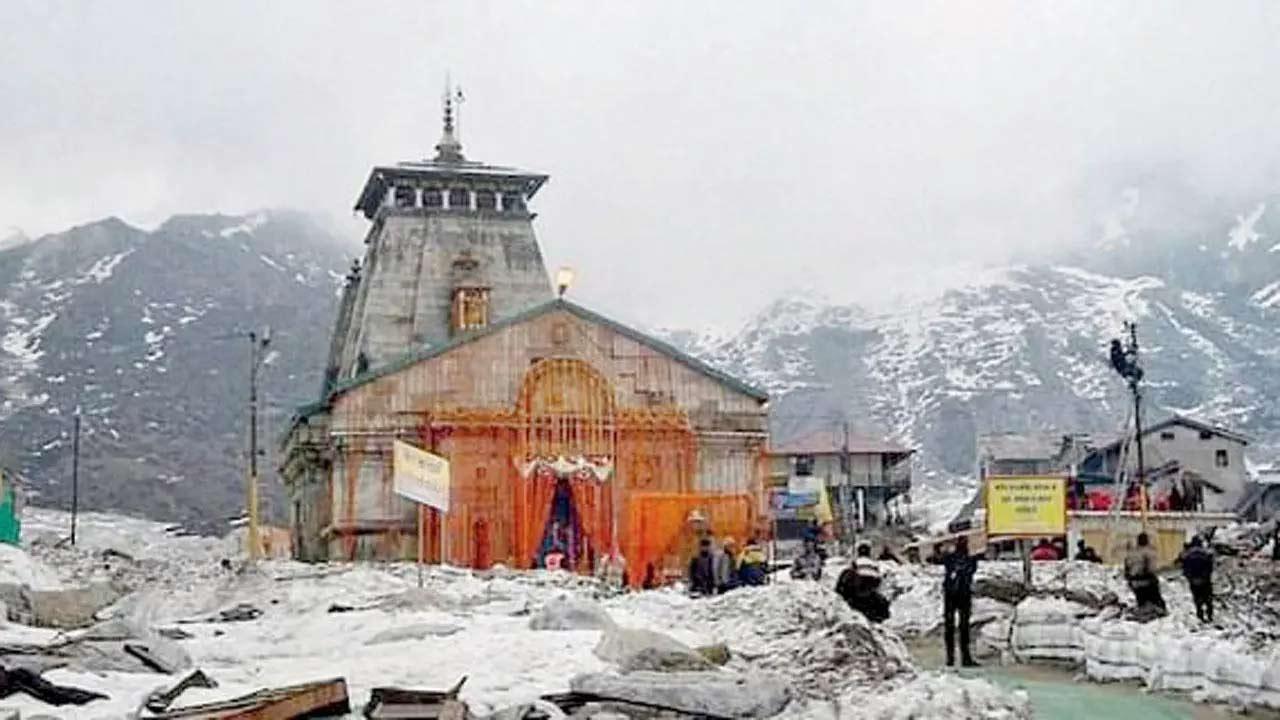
x: 563, y: 544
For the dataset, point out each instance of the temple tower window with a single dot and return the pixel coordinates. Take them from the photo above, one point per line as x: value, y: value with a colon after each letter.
x: 406, y: 196
x: 486, y: 200
x: 512, y: 201
x: 432, y: 198
x: 470, y: 309
x: 459, y: 198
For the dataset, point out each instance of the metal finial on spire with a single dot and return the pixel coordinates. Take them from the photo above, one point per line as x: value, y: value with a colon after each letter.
x: 449, y: 149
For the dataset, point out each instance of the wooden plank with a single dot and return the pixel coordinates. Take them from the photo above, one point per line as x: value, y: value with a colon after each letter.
x: 327, y: 698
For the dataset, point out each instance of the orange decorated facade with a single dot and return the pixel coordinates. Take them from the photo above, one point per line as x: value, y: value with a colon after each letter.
x: 567, y: 434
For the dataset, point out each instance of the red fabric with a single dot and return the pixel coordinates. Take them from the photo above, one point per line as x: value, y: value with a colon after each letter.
x: 535, y: 510
x: 595, y: 512
x: 1100, y: 500
x: 1044, y: 553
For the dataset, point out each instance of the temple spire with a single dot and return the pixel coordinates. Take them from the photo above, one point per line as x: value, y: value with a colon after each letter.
x: 449, y: 149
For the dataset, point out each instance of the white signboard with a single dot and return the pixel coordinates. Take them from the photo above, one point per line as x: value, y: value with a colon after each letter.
x: 805, y: 485
x: 420, y: 476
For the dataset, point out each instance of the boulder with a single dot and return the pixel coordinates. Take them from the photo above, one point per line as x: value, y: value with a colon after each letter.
x: 618, y: 644
x: 70, y: 609
x: 717, y: 693
x: 565, y: 613
x: 654, y: 660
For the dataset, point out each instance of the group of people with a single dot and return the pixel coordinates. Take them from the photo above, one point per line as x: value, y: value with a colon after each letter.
x: 1196, y: 562
x: 715, y: 570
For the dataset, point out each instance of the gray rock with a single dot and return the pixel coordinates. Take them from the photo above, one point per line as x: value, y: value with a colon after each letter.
x: 70, y: 609
x: 619, y: 643
x: 707, y: 693
x: 654, y: 660
x: 413, y: 632
x: 565, y: 613
x: 635, y: 649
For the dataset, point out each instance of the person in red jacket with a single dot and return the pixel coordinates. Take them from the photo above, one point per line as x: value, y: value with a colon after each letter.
x: 1044, y: 552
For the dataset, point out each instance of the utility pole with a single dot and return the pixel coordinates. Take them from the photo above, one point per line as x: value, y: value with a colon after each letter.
x: 255, y: 362
x: 1134, y: 379
x: 75, y: 475
x: 848, y: 489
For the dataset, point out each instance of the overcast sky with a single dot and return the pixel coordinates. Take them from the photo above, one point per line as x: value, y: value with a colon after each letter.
x: 702, y: 156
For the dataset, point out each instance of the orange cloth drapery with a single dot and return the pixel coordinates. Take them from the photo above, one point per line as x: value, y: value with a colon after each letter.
x: 658, y: 523
x: 534, y: 510
x: 595, y: 511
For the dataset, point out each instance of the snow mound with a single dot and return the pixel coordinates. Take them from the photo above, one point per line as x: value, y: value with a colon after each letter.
x: 936, y: 695
x: 568, y: 613
x: 803, y: 630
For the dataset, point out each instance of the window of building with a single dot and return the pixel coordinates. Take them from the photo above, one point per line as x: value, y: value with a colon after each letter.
x: 459, y: 199
x: 1205, y: 435
x: 432, y: 198
x: 1167, y: 435
x: 470, y: 308
x: 406, y: 197
x: 512, y: 202
x: 486, y: 200
x: 804, y: 465
x: 1220, y: 458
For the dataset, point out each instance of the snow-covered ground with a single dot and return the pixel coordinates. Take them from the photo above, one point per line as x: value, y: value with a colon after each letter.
x: 388, y: 632
x: 461, y: 623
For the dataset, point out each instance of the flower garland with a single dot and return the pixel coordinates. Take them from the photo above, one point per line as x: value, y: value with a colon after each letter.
x: 580, y: 467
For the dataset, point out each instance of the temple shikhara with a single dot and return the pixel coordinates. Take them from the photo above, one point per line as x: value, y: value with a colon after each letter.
x: 564, y: 429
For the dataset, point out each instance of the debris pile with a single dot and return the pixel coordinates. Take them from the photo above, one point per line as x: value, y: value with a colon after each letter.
x: 803, y: 631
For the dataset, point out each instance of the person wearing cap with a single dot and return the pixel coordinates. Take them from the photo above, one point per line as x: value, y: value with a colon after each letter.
x: 727, y: 565
x: 751, y: 566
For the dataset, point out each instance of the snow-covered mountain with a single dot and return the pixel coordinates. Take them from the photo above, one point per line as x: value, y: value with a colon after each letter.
x: 144, y: 332
x: 1024, y: 347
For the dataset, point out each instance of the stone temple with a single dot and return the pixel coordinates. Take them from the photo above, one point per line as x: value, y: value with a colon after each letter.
x: 566, y: 432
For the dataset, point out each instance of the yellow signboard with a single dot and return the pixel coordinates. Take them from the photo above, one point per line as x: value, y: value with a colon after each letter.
x: 1026, y: 506
x: 420, y: 476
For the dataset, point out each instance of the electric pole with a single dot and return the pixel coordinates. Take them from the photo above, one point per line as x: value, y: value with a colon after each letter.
x: 256, y: 344
x: 75, y: 475
x: 851, y: 528
x: 1124, y: 359
x: 1134, y: 379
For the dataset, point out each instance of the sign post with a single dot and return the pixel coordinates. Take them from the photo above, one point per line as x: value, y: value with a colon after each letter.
x: 1026, y: 507
x: 422, y: 477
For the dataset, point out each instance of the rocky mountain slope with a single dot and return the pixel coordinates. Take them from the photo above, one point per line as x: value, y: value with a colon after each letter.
x: 144, y: 332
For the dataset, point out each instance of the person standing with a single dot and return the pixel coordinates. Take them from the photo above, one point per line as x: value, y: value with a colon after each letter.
x: 702, y: 570
x: 727, y: 566
x: 957, y: 600
x: 1197, y: 568
x: 1044, y: 552
x: 1140, y: 572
